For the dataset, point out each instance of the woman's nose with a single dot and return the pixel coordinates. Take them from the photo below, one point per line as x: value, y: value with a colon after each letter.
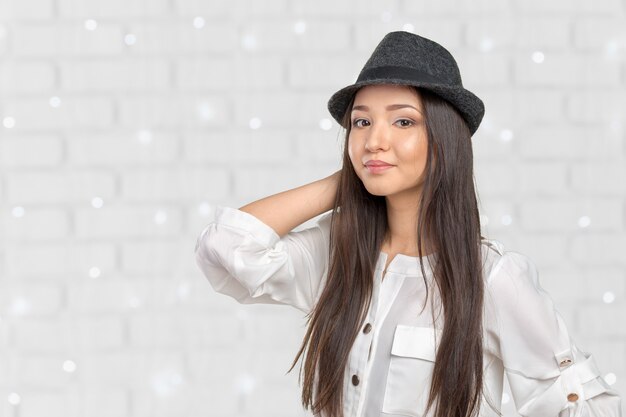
x: 377, y: 137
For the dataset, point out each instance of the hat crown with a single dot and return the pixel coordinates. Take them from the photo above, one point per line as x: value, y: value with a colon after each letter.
x: 411, y: 51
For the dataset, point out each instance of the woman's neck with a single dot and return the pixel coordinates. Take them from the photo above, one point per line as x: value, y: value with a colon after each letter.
x: 401, y: 235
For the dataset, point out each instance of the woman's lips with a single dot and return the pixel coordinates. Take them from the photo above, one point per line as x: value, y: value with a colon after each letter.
x: 377, y: 167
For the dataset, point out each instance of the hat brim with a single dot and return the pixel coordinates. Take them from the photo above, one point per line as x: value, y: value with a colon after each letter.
x: 460, y: 98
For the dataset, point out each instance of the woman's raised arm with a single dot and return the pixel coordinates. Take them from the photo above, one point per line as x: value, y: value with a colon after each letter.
x: 288, y: 209
x: 253, y: 255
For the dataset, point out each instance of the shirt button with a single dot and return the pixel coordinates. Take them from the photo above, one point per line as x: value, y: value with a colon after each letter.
x: 367, y: 328
x: 355, y: 380
x: 565, y: 362
x: 571, y: 397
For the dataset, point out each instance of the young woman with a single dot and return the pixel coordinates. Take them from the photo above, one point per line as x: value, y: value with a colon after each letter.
x: 411, y: 312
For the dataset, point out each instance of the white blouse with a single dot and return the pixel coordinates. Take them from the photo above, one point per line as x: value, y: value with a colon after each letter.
x: 390, y: 365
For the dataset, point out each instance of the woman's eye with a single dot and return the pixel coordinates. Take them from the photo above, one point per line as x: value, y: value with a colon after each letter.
x: 405, y: 122
x: 356, y: 122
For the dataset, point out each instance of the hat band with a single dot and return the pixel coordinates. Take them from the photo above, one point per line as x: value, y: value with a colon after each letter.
x: 404, y: 73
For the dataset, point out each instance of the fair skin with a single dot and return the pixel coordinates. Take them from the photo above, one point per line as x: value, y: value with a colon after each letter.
x: 387, y: 124
x: 397, y: 136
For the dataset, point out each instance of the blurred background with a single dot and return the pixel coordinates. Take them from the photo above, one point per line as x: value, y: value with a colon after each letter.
x: 123, y: 123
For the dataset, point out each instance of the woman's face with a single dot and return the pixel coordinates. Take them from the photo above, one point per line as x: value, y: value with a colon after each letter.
x: 388, y: 125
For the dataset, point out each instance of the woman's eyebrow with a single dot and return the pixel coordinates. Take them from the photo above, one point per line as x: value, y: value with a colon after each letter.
x: 389, y: 107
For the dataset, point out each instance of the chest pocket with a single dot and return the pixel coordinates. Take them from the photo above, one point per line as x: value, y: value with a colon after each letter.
x: 410, y: 370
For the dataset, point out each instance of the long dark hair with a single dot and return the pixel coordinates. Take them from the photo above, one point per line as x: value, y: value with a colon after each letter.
x: 449, y: 220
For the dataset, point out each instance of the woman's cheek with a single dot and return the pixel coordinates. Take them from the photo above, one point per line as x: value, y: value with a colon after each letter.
x: 354, y: 157
x: 410, y: 144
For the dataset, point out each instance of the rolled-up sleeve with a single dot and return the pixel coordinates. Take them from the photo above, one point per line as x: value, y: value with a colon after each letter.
x: 244, y: 258
x: 548, y: 374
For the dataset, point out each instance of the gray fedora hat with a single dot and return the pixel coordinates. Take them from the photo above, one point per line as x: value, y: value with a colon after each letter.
x: 409, y: 59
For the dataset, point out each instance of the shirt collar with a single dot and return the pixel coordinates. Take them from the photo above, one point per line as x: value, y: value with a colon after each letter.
x: 407, y: 265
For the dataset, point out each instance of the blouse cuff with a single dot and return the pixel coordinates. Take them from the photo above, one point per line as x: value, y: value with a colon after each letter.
x: 246, y: 222
x: 578, y: 381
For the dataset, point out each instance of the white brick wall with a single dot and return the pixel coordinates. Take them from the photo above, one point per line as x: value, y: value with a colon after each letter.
x: 121, y: 120
x: 50, y: 40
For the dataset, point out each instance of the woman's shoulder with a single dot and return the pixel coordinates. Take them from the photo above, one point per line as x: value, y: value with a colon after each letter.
x: 505, y: 268
x: 492, y: 251
x: 316, y: 229
x: 324, y: 220
x: 499, y: 259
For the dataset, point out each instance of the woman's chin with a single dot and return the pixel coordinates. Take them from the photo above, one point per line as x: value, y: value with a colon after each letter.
x: 376, y: 190
x: 392, y: 191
